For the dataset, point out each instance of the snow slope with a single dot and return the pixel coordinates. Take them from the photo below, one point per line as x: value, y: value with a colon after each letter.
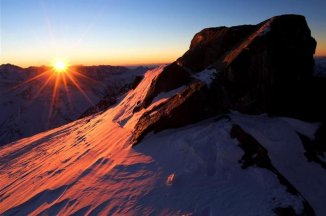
x: 88, y: 167
x: 25, y: 107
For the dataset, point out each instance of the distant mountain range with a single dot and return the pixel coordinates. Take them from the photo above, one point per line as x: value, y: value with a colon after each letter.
x: 25, y: 107
x: 24, y: 113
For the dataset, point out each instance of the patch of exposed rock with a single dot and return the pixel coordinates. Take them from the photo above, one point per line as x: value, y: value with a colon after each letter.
x: 263, y: 68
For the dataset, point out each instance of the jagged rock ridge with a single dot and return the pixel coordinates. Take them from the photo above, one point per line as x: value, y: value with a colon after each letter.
x: 263, y: 68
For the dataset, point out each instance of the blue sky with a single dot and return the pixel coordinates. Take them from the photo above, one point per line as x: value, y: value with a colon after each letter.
x: 124, y: 32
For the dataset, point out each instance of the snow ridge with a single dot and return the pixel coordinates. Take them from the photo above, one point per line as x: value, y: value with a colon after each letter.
x: 88, y: 167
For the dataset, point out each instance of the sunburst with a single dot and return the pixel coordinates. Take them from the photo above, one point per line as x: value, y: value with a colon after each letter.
x: 60, y: 66
x: 60, y: 74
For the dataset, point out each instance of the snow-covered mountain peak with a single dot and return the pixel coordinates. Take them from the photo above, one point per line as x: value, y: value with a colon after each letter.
x: 194, y: 137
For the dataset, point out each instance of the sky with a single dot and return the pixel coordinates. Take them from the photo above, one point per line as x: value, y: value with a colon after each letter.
x: 130, y: 32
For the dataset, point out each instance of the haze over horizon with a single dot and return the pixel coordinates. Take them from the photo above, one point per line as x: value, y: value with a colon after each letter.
x: 35, y: 32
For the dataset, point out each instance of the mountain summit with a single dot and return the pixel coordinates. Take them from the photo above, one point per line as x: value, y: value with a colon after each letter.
x: 212, y: 133
x: 254, y: 69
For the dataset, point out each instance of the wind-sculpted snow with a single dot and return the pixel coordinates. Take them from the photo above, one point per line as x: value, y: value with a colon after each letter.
x: 26, y: 108
x: 88, y: 167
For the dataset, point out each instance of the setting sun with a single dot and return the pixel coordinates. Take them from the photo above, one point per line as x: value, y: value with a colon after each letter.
x: 60, y: 66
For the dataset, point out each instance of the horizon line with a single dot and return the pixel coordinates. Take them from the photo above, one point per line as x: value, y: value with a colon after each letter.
x: 114, y: 65
x: 92, y: 65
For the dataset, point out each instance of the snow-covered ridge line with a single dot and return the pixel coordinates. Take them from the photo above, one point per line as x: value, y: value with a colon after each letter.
x: 87, y: 167
x: 25, y: 105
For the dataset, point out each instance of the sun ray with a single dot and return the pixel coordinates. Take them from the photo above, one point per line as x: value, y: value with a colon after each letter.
x: 82, y: 75
x: 43, y: 86
x: 31, y: 79
x: 60, y: 78
x: 67, y: 91
x: 72, y: 79
x: 53, y: 98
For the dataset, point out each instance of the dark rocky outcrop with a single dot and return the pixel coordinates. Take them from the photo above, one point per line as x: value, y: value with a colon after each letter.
x: 101, y: 106
x: 110, y: 99
x: 263, y: 68
x: 173, y: 76
x: 211, y: 44
x: 315, y: 149
x: 188, y: 106
x: 136, y: 81
x: 269, y: 67
x: 285, y: 211
x: 254, y: 153
x: 320, y: 138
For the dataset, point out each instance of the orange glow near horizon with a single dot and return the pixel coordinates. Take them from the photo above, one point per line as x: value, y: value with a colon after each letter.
x: 60, y: 66
x: 128, y: 60
x: 321, y: 49
x: 122, y: 58
x: 61, y: 77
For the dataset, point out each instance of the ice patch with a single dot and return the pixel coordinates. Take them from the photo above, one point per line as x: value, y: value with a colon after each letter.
x: 265, y: 31
x: 266, y: 28
x: 169, y: 94
x: 206, y: 75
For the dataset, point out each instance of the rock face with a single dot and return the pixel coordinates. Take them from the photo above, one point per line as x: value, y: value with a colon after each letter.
x: 268, y: 68
x: 211, y: 44
x: 263, y: 68
x: 173, y: 76
x: 175, y: 112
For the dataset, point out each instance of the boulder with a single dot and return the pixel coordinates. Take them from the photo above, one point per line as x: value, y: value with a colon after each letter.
x: 188, y: 106
x: 172, y: 77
